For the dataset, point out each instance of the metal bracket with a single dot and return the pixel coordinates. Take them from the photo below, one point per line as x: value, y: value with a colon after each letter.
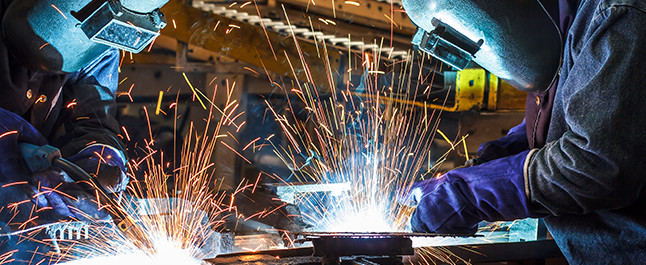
x: 447, y: 44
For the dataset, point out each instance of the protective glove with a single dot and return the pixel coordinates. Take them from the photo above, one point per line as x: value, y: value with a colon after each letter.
x: 458, y: 200
x: 514, y: 142
x: 106, y: 163
x: 57, y: 190
x: 22, y: 192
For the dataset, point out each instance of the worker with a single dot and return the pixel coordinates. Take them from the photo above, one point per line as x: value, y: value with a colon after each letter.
x: 576, y: 160
x: 58, y: 82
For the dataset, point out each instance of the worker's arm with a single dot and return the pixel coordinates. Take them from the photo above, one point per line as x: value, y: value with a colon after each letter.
x: 513, y: 143
x: 598, y: 162
x: 595, y: 164
x: 92, y: 129
x: 458, y: 200
x: 57, y: 197
x: 28, y: 200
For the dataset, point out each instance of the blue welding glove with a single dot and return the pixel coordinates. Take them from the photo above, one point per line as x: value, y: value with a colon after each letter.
x: 458, y: 200
x: 514, y: 142
x: 106, y: 163
x: 22, y: 192
x: 67, y: 199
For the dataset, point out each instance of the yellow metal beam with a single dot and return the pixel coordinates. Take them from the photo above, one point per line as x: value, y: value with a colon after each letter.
x: 249, y: 43
x: 475, y: 89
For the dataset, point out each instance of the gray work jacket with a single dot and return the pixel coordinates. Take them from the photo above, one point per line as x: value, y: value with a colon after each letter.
x: 590, y: 175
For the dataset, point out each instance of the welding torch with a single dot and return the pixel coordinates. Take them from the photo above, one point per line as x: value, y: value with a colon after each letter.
x: 40, y: 158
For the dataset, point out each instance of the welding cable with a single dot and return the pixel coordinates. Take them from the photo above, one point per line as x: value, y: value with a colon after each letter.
x: 78, y: 174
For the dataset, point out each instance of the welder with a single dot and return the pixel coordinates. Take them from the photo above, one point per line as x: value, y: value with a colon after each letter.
x: 576, y: 160
x: 58, y: 79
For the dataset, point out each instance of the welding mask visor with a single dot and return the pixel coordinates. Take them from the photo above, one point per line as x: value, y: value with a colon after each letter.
x: 63, y: 36
x: 516, y: 40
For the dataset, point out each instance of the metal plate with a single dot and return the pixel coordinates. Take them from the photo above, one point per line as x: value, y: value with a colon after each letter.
x: 312, y: 235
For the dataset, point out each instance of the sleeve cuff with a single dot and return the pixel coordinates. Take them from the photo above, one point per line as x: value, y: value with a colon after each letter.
x: 526, y: 171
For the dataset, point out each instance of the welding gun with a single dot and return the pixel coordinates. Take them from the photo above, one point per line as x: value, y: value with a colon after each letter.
x: 40, y: 158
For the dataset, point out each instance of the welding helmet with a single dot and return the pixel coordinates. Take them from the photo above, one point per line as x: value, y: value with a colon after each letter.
x: 66, y: 35
x: 516, y: 40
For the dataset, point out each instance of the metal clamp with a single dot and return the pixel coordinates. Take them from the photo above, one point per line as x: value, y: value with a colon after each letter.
x: 447, y: 44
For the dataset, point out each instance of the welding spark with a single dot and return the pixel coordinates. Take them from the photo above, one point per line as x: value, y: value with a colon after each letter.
x: 352, y: 3
x: 178, y: 219
x: 8, y: 133
x: 168, y: 253
x: 59, y: 11
x: 159, y: 101
x: 372, y: 139
x: 376, y: 138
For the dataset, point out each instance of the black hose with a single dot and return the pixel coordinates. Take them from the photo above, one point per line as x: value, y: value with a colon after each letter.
x: 78, y: 174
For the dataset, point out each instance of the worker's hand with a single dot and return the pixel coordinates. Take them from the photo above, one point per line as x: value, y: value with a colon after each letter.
x: 106, y: 163
x: 513, y: 143
x: 411, y: 195
x: 54, y: 189
x: 458, y: 200
x: 31, y: 199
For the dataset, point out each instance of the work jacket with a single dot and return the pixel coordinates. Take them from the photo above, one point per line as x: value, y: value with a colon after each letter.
x: 73, y: 110
x: 589, y: 175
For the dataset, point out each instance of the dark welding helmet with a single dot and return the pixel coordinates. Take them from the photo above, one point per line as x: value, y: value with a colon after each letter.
x: 516, y: 40
x: 65, y: 35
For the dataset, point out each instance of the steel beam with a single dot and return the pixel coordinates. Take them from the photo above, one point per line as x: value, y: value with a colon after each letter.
x: 370, y: 13
x: 277, y: 53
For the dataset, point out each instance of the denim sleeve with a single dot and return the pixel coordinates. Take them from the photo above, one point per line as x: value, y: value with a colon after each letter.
x: 597, y: 162
x: 90, y: 98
